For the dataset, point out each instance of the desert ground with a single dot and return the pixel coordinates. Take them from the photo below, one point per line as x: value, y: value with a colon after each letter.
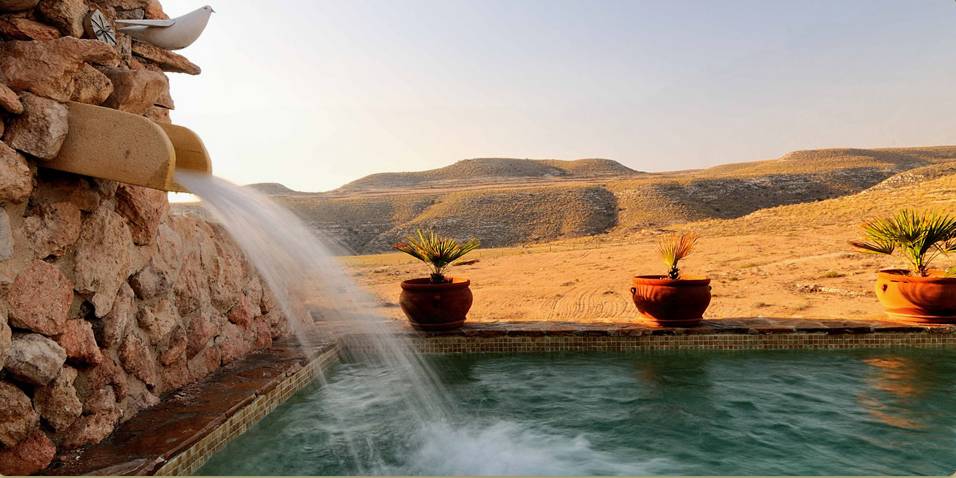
x: 787, y: 262
x: 562, y: 239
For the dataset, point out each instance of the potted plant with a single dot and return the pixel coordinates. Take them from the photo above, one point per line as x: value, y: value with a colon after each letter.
x: 920, y: 292
x: 437, y: 302
x: 673, y: 299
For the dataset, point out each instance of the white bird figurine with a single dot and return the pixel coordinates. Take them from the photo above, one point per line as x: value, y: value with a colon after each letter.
x: 172, y: 34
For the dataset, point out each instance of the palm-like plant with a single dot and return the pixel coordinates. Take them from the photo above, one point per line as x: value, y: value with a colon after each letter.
x: 918, y: 236
x: 674, y: 248
x: 439, y: 252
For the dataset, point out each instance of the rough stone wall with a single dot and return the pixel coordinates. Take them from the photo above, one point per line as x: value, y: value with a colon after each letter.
x: 106, y: 301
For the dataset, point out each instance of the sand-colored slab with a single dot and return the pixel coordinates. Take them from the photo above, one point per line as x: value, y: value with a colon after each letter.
x: 109, y: 144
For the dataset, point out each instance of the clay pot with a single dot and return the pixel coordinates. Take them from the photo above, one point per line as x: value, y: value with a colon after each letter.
x: 431, y: 306
x: 925, y: 299
x: 671, y: 302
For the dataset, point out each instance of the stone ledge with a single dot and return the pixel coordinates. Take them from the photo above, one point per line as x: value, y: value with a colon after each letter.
x: 169, y: 438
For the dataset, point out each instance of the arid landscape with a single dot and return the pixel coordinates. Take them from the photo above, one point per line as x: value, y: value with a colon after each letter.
x: 562, y: 239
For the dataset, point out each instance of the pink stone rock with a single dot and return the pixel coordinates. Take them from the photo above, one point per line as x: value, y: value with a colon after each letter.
x: 48, y: 68
x: 122, y: 4
x: 253, y: 289
x: 30, y: 456
x: 6, y: 339
x: 105, y: 374
x: 243, y: 312
x: 137, y: 359
x: 52, y: 228
x: 41, y: 129
x: 158, y: 319
x: 22, y: 28
x: 79, y: 342
x: 263, y: 338
x: 223, y: 263
x: 89, y: 429
x: 268, y: 302
x: 100, y: 401
x: 204, y: 363
x: 57, y: 402
x: 191, y: 288
x: 56, y: 186
x: 202, y: 328
x: 144, y: 209
x: 155, y: 10
x: 39, y: 299
x: 174, y: 349
x: 17, y: 6
x: 6, y: 236
x: 18, y: 419
x: 233, y: 343
x: 158, y: 114
x: 140, y: 397
x: 91, y: 86
x: 9, y: 100
x: 277, y: 324
x: 114, y: 326
x: 67, y: 15
x: 102, y: 258
x: 165, y: 60
x: 135, y: 91
x: 16, y: 180
x: 176, y: 375
x: 34, y: 359
x: 162, y: 269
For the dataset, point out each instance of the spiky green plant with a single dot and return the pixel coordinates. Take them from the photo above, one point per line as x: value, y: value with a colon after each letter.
x: 439, y: 252
x: 674, y: 248
x: 920, y: 237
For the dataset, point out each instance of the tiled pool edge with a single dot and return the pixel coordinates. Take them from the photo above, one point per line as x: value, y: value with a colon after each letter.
x: 193, y: 458
x: 717, y: 342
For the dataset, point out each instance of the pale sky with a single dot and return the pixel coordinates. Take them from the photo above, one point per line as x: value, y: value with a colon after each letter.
x: 314, y: 94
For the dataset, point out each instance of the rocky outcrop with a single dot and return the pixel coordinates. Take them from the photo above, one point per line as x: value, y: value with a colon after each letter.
x: 16, y: 180
x: 40, y: 299
x: 41, y: 129
x: 18, y: 419
x: 107, y: 302
x: 50, y: 68
x: 28, y: 456
x: 34, y: 359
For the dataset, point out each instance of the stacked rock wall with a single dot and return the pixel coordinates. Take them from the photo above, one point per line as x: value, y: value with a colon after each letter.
x: 106, y: 301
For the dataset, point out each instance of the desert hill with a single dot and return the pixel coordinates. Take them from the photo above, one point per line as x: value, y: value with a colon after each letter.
x: 272, y: 189
x: 783, y: 262
x: 485, y: 170
x: 517, y: 202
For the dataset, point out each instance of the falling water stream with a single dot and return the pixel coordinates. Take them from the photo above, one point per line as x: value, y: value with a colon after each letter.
x: 301, y: 269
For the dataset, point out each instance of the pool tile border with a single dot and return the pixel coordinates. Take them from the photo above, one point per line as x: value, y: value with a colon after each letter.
x: 194, y: 457
x: 724, y: 342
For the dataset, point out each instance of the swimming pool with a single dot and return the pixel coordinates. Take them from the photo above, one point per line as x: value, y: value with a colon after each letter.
x: 871, y: 412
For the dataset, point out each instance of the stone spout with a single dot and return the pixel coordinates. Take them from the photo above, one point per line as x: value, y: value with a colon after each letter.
x: 110, y: 144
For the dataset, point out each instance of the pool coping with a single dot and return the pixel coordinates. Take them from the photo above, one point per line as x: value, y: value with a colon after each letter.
x: 179, y: 435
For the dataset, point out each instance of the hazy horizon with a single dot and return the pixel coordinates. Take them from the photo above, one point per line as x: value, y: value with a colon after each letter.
x: 313, y: 95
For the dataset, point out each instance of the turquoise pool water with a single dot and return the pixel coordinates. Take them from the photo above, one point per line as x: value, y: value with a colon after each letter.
x: 793, y: 413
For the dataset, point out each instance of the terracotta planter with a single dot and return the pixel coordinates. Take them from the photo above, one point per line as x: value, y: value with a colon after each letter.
x: 671, y: 302
x: 431, y: 306
x: 925, y: 299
